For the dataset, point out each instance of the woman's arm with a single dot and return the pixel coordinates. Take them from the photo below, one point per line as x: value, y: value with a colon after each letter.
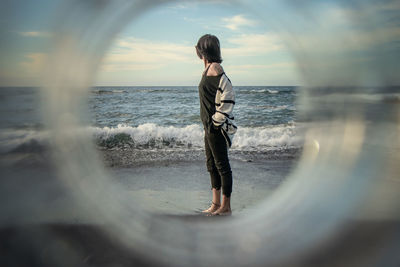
x: 224, y: 101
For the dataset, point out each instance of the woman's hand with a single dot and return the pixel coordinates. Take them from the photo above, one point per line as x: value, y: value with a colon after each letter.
x: 215, y: 127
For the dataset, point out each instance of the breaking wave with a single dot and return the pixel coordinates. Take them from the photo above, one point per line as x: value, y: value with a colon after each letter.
x: 267, y: 90
x: 152, y: 136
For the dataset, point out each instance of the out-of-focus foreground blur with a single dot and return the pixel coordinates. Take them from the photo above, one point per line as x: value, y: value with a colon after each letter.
x: 338, y: 207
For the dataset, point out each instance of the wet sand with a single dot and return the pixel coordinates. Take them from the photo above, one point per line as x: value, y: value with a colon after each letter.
x: 184, y: 187
x: 32, y: 193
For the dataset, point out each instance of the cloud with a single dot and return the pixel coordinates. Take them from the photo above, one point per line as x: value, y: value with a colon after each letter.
x: 182, y: 5
x: 278, y: 73
x: 143, y: 61
x: 341, y: 46
x: 133, y: 54
x: 34, y: 63
x: 235, y: 22
x: 253, y: 45
x: 129, y: 66
x: 140, y: 54
x: 349, y: 30
x: 268, y: 68
x: 390, y: 5
x: 250, y: 67
x: 35, y: 34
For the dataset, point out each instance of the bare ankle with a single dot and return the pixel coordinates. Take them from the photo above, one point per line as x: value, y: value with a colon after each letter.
x: 216, y: 204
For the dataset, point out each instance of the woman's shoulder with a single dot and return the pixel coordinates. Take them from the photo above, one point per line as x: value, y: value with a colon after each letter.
x: 215, y: 69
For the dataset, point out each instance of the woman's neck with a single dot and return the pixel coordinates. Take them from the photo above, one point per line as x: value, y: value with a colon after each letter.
x: 206, y: 63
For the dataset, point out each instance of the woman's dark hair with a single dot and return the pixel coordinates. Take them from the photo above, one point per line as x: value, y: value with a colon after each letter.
x: 208, y: 47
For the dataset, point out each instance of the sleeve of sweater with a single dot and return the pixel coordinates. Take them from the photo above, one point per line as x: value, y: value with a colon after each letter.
x: 224, y: 101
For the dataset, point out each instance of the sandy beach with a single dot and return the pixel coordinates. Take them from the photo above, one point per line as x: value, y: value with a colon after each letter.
x: 42, y: 223
x: 177, y: 184
x: 36, y: 205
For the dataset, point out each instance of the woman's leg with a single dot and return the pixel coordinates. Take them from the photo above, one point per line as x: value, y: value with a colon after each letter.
x: 215, y: 178
x: 210, y: 162
x: 219, y: 151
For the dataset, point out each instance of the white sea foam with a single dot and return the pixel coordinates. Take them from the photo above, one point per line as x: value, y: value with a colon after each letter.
x: 246, y: 138
x: 265, y: 138
x: 276, y: 108
x: 153, y: 136
x: 144, y: 134
x: 270, y: 91
x: 105, y: 91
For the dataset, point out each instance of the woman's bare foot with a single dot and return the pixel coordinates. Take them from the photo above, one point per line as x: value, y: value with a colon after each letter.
x: 212, y: 208
x: 225, y: 208
x: 216, y: 201
x: 223, y: 211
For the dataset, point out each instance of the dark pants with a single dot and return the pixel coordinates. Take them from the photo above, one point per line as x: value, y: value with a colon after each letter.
x: 218, y: 162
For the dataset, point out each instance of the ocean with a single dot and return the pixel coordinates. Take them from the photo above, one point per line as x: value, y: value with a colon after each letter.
x: 150, y: 140
x: 156, y: 118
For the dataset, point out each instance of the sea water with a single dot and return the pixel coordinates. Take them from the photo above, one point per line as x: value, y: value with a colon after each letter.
x: 168, y: 117
x: 155, y: 118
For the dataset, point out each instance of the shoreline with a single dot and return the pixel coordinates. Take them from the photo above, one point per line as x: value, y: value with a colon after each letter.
x: 126, y: 157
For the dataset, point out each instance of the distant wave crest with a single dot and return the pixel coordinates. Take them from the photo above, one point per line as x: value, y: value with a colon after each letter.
x: 266, y: 91
x: 100, y: 91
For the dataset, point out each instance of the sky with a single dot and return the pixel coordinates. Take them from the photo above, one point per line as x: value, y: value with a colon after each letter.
x: 262, y: 43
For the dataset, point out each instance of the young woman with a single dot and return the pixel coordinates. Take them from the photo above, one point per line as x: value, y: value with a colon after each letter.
x: 216, y: 104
